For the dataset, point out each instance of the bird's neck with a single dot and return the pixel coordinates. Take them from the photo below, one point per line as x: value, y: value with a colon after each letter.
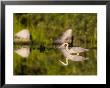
x: 67, y: 47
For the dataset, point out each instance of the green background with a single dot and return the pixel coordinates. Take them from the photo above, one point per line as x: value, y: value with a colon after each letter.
x: 44, y: 28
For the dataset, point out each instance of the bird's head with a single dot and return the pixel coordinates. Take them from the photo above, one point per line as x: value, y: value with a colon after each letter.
x: 63, y: 45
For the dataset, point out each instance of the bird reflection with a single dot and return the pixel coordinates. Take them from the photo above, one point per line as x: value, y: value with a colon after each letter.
x: 24, y: 51
x: 71, y: 57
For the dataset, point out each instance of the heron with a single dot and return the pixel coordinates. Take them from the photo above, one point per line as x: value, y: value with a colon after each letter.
x: 72, y: 50
x: 65, y: 37
x: 71, y: 57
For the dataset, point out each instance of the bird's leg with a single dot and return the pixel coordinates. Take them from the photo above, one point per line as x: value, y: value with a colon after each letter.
x: 77, y: 54
x: 64, y: 63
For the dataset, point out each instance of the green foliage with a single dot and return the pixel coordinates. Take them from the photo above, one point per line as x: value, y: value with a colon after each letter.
x: 44, y: 28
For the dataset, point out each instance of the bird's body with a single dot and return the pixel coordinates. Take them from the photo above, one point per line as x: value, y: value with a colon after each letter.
x: 71, y: 50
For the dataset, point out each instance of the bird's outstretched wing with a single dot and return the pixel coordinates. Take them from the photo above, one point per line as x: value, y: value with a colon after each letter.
x: 77, y: 58
x: 65, y: 37
x: 23, y: 34
x: 78, y: 49
x: 23, y: 52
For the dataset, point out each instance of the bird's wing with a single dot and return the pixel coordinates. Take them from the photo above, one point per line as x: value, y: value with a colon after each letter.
x: 77, y: 58
x: 78, y: 49
x: 23, y: 52
x: 23, y: 34
x: 65, y: 37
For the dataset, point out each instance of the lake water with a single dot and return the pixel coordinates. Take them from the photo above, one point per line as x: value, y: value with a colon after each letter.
x: 39, y: 60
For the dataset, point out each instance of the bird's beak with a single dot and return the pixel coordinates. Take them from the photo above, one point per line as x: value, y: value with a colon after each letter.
x: 62, y: 45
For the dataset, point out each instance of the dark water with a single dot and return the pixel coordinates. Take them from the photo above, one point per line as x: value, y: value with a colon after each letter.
x: 40, y: 60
